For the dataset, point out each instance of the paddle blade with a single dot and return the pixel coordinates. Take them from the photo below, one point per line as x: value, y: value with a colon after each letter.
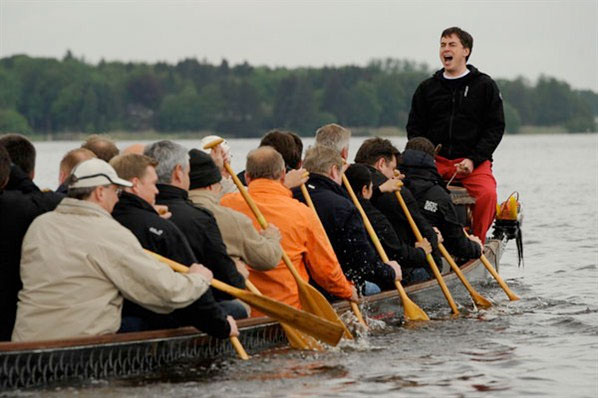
x: 314, y: 302
x: 299, y: 340
x: 411, y: 310
x: 322, y: 329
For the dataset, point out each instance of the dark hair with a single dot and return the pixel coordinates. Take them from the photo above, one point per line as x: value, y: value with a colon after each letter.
x: 299, y: 149
x: 284, y: 144
x: 465, y: 38
x: 373, y: 149
x: 104, y: 148
x: 20, y: 150
x: 4, y: 166
x: 421, y: 144
x: 359, y: 176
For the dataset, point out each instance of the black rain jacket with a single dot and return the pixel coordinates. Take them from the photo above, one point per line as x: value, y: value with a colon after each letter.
x: 18, y: 208
x: 201, y: 230
x: 435, y: 202
x: 464, y: 115
x: 163, y: 237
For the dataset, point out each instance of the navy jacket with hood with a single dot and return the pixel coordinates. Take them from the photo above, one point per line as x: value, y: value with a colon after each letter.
x: 435, y: 203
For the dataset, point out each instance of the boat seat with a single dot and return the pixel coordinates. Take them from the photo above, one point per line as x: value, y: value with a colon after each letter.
x: 463, y: 202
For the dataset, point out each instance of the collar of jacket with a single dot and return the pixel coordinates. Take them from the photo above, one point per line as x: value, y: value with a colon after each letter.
x: 377, y: 177
x: 130, y: 200
x: 81, y: 207
x: 168, y: 191
x: 321, y: 181
x: 270, y: 187
x: 473, y: 72
x: 203, y: 197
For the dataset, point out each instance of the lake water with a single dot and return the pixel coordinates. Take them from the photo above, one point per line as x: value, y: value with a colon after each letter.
x: 544, y: 345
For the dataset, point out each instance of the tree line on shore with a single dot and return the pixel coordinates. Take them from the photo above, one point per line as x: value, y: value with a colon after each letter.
x: 51, y: 96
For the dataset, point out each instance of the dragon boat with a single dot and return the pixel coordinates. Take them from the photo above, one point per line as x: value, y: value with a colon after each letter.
x: 43, y: 363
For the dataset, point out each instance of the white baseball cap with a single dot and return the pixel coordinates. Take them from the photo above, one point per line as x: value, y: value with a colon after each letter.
x: 224, y: 145
x: 95, y: 172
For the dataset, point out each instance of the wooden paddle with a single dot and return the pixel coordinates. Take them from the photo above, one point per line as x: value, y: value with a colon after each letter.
x: 311, y: 299
x: 411, y: 310
x: 477, y: 298
x: 296, y: 339
x: 310, y: 203
x: 512, y: 296
x: 431, y: 262
x: 322, y: 329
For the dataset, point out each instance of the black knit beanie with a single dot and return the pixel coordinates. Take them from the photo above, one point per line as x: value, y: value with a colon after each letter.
x: 203, y: 171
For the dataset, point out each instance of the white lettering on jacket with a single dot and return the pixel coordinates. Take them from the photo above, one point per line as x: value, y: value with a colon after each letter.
x: 156, y: 231
x: 431, y: 206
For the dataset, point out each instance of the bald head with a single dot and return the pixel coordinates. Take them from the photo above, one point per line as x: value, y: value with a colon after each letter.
x: 264, y: 162
x: 135, y: 148
x: 70, y: 160
x: 103, y: 147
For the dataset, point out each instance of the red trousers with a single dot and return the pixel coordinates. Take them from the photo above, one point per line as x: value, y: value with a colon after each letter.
x: 481, y: 185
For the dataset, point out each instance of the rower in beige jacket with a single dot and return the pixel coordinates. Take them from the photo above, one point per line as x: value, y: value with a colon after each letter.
x: 260, y: 250
x: 78, y: 263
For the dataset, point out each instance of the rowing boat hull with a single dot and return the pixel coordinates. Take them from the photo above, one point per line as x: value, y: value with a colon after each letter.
x: 121, y: 355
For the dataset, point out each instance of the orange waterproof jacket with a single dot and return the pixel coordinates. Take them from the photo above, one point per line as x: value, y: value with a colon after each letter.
x: 303, y: 239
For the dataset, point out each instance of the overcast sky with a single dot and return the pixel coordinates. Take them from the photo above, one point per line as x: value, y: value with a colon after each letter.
x: 511, y: 38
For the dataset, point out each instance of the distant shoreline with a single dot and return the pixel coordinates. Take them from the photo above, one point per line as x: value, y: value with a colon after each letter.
x: 154, y: 135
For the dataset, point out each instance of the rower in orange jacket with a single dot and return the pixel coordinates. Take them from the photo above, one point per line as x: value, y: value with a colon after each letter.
x: 303, y: 238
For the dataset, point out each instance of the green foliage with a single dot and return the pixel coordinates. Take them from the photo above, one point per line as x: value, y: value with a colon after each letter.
x: 512, y: 119
x: 12, y: 121
x: 54, y: 96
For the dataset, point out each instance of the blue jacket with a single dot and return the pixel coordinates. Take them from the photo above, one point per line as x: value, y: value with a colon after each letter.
x: 346, y: 233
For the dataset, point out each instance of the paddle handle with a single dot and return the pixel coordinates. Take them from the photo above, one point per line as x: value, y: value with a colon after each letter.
x: 366, y: 221
x: 182, y: 269
x: 478, y: 299
x: 256, y: 211
x: 512, y: 296
x: 429, y: 258
x: 310, y: 203
x: 411, y: 310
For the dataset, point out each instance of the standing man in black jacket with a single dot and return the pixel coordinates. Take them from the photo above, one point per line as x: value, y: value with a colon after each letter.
x: 135, y: 210
x: 197, y: 224
x: 460, y: 108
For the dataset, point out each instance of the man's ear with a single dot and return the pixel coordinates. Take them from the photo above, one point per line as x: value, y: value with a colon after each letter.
x: 364, y: 190
x: 133, y: 189
x: 176, y: 173
x: 345, y: 152
x: 247, y: 178
x: 380, y: 163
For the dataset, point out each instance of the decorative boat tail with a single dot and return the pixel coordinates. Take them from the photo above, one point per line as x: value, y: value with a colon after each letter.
x: 120, y: 355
